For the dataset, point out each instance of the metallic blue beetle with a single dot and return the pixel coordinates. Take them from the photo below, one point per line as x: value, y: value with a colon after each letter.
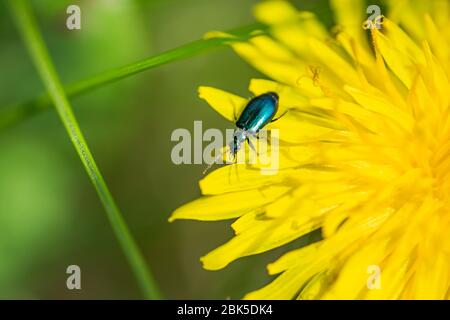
x: 258, y: 112
x: 256, y: 115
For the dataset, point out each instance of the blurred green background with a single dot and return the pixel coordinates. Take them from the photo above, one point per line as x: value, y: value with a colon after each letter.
x: 50, y: 215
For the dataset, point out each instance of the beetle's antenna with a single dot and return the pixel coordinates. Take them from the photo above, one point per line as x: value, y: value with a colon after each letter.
x: 212, y: 163
x: 220, y: 155
x: 284, y: 113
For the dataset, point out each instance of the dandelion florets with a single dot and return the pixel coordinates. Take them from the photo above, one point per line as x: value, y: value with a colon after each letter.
x: 364, y: 155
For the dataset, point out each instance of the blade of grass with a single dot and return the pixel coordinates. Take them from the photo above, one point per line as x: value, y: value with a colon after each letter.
x: 25, y: 21
x: 14, y: 114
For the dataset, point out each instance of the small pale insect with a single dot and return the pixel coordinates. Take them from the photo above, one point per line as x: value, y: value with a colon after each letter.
x: 258, y: 112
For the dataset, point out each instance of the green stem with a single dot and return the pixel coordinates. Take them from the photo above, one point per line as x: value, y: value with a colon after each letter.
x: 14, y: 114
x: 29, y: 30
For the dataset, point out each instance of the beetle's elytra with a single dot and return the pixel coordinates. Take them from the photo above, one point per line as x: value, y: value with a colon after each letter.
x: 258, y: 112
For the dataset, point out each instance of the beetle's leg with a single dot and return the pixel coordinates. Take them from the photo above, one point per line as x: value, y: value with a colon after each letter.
x: 250, y: 143
x: 229, y: 174
x: 236, y: 169
x: 284, y: 113
x: 266, y: 135
x: 235, y: 165
x: 258, y: 136
x: 266, y: 140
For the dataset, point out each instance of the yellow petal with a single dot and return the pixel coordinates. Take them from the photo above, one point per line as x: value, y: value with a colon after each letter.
x: 238, y: 177
x: 265, y: 235
x: 289, y: 98
x: 285, y: 71
x: 354, y: 276
x: 403, y: 63
x: 296, y: 258
x: 275, y: 12
x: 289, y: 26
x: 227, y: 104
x: 350, y: 16
x: 285, y: 286
x: 226, y: 206
x: 380, y: 104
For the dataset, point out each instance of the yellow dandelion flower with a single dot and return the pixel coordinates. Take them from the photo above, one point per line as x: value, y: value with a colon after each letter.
x: 364, y: 155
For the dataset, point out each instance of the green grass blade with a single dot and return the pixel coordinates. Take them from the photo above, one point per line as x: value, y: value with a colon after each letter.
x: 29, y: 30
x: 16, y: 113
